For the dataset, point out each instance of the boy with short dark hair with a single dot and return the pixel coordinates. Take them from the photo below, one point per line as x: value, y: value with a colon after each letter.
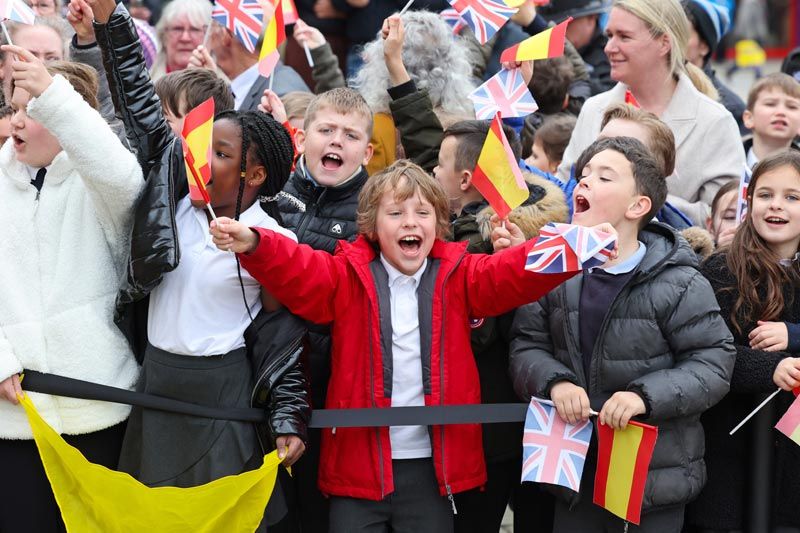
x: 773, y: 115
x: 182, y: 91
x: 399, y: 301
x: 639, y: 337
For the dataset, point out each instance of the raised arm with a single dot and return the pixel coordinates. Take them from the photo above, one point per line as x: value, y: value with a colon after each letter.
x: 131, y: 88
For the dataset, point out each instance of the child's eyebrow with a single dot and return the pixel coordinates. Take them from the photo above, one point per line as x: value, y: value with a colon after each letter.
x: 608, y: 168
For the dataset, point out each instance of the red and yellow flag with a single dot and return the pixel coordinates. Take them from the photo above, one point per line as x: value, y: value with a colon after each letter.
x: 198, y: 127
x: 290, y: 14
x: 274, y: 36
x: 623, y: 458
x: 549, y: 43
x: 497, y: 175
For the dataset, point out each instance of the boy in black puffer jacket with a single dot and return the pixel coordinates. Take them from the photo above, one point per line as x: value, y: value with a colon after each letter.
x: 641, y: 337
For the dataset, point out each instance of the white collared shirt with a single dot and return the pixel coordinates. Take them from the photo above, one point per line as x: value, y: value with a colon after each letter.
x: 408, y: 442
x: 198, y: 308
x: 241, y: 85
x: 752, y: 159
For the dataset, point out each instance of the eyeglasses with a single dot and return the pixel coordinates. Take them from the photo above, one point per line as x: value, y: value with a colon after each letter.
x: 42, y: 5
x: 177, y: 31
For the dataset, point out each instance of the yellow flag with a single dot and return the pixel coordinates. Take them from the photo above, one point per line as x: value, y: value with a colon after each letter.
x: 94, y: 498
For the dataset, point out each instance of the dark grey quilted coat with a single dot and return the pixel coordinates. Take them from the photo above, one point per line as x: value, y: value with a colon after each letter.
x: 663, y: 337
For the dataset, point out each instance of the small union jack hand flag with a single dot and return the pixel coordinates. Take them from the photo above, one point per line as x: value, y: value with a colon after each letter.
x: 244, y: 18
x: 505, y: 93
x: 569, y: 248
x: 553, y: 451
x: 485, y: 17
x: 452, y: 17
x: 17, y: 10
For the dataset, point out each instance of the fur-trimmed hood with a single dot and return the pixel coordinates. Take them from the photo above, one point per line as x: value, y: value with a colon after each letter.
x: 545, y: 204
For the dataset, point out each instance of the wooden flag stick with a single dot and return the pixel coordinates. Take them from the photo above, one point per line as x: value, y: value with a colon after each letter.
x: 754, y: 411
x: 406, y: 7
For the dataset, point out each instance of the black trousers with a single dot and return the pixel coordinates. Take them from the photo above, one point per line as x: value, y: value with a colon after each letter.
x: 415, y: 506
x: 482, y: 510
x: 27, y: 503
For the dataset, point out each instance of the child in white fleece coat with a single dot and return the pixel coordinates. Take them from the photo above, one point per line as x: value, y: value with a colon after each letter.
x: 67, y: 191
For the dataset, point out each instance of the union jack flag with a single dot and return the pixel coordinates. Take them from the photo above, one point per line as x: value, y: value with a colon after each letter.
x: 741, y: 204
x: 485, y: 17
x: 569, y: 248
x: 505, y: 93
x: 452, y: 17
x: 17, y: 10
x: 553, y: 451
x: 244, y: 18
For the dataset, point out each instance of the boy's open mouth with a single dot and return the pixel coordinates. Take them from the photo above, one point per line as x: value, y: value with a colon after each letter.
x: 410, y: 243
x: 780, y: 123
x: 17, y: 141
x: 581, y: 204
x: 331, y: 161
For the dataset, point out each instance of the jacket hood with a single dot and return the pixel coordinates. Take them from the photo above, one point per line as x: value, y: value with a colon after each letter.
x: 545, y: 204
x: 665, y: 248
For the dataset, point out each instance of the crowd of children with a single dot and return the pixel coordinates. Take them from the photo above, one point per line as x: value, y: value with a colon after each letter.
x: 347, y: 258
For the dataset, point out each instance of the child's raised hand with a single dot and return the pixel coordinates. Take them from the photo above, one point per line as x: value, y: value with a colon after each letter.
x: 505, y: 237
x: 620, y: 408
x: 272, y: 104
x: 393, y: 35
x: 290, y: 448
x: 27, y: 71
x: 787, y: 374
x: 201, y: 58
x: 605, y: 227
x: 305, y: 34
x: 10, y: 389
x: 725, y: 237
x: 769, y: 336
x: 571, y: 401
x: 80, y: 17
x: 232, y: 236
x: 102, y: 9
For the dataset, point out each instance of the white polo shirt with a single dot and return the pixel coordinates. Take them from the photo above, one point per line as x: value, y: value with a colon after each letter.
x: 408, y: 442
x: 198, y: 308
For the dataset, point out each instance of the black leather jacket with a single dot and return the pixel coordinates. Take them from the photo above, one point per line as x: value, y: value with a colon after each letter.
x: 274, y: 340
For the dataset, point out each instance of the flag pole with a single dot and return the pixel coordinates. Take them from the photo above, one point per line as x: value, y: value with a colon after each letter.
x: 211, y: 211
x: 5, y: 32
x: 406, y: 7
x: 208, y: 34
x: 754, y: 411
x: 308, y: 55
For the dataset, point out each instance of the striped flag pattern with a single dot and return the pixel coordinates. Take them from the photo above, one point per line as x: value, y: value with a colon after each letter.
x: 569, y: 248
x: 485, y: 17
x: 17, y: 10
x: 543, y: 45
x: 244, y: 18
x: 505, y: 93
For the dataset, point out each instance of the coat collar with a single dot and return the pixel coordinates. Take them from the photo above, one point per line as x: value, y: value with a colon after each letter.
x: 682, y: 112
x: 17, y: 172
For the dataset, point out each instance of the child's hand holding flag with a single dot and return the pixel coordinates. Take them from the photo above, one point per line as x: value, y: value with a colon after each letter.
x: 232, y: 236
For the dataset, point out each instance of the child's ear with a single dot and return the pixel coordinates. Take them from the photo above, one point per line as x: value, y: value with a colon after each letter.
x: 368, y: 154
x: 747, y: 119
x: 256, y: 176
x: 710, y: 225
x: 466, y: 180
x: 300, y: 140
x: 639, y: 208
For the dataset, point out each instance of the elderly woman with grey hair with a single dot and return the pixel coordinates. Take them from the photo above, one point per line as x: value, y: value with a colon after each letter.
x: 180, y: 30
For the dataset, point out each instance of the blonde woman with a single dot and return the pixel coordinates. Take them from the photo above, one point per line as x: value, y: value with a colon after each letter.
x: 647, y: 42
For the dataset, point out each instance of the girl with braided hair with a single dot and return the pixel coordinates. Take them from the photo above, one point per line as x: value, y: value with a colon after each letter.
x: 198, y: 319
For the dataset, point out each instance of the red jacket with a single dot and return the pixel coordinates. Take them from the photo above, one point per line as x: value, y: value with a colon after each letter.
x: 341, y: 290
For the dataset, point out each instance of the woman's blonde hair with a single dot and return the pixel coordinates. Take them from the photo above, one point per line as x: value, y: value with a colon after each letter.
x: 667, y: 17
x: 404, y: 179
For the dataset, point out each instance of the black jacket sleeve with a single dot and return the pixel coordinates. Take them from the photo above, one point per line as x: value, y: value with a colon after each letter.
x: 289, y: 405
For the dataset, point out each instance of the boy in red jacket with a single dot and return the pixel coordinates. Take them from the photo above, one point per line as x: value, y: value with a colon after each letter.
x: 399, y: 300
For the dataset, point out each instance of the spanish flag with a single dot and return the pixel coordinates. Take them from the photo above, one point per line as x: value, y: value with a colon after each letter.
x: 94, y: 498
x: 789, y: 424
x: 497, y: 175
x: 623, y: 458
x: 198, y: 126
x: 290, y: 14
x: 549, y: 43
x: 274, y: 36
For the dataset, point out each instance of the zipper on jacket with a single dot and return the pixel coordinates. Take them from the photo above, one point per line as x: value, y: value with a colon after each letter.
x: 311, y: 211
x: 374, y: 403
x: 441, y: 379
x: 571, y: 336
x: 594, y: 367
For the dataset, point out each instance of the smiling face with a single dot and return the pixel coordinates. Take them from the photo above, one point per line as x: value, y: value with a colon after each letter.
x: 775, y: 115
x: 631, y: 49
x: 605, y: 190
x: 405, y: 230
x: 182, y: 37
x: 34, y: 145
x: 775, y: 210
x: 334, y: 145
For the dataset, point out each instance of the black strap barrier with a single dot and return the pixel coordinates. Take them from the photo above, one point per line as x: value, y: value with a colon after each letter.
x: 436, y: 415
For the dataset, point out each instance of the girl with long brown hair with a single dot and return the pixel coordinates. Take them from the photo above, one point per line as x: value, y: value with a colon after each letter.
x: 757, y: 283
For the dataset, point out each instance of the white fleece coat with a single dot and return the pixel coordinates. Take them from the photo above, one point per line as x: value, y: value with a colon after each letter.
x: 61, y: 261
x: 709, y: 147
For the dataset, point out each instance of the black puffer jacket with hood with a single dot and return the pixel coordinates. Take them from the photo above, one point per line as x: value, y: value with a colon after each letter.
x: 662, y: 337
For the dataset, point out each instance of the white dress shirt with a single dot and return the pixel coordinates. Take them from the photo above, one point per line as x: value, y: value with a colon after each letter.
x: 198, y: 308
x: 241, y: 85
x: 408, y: 442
